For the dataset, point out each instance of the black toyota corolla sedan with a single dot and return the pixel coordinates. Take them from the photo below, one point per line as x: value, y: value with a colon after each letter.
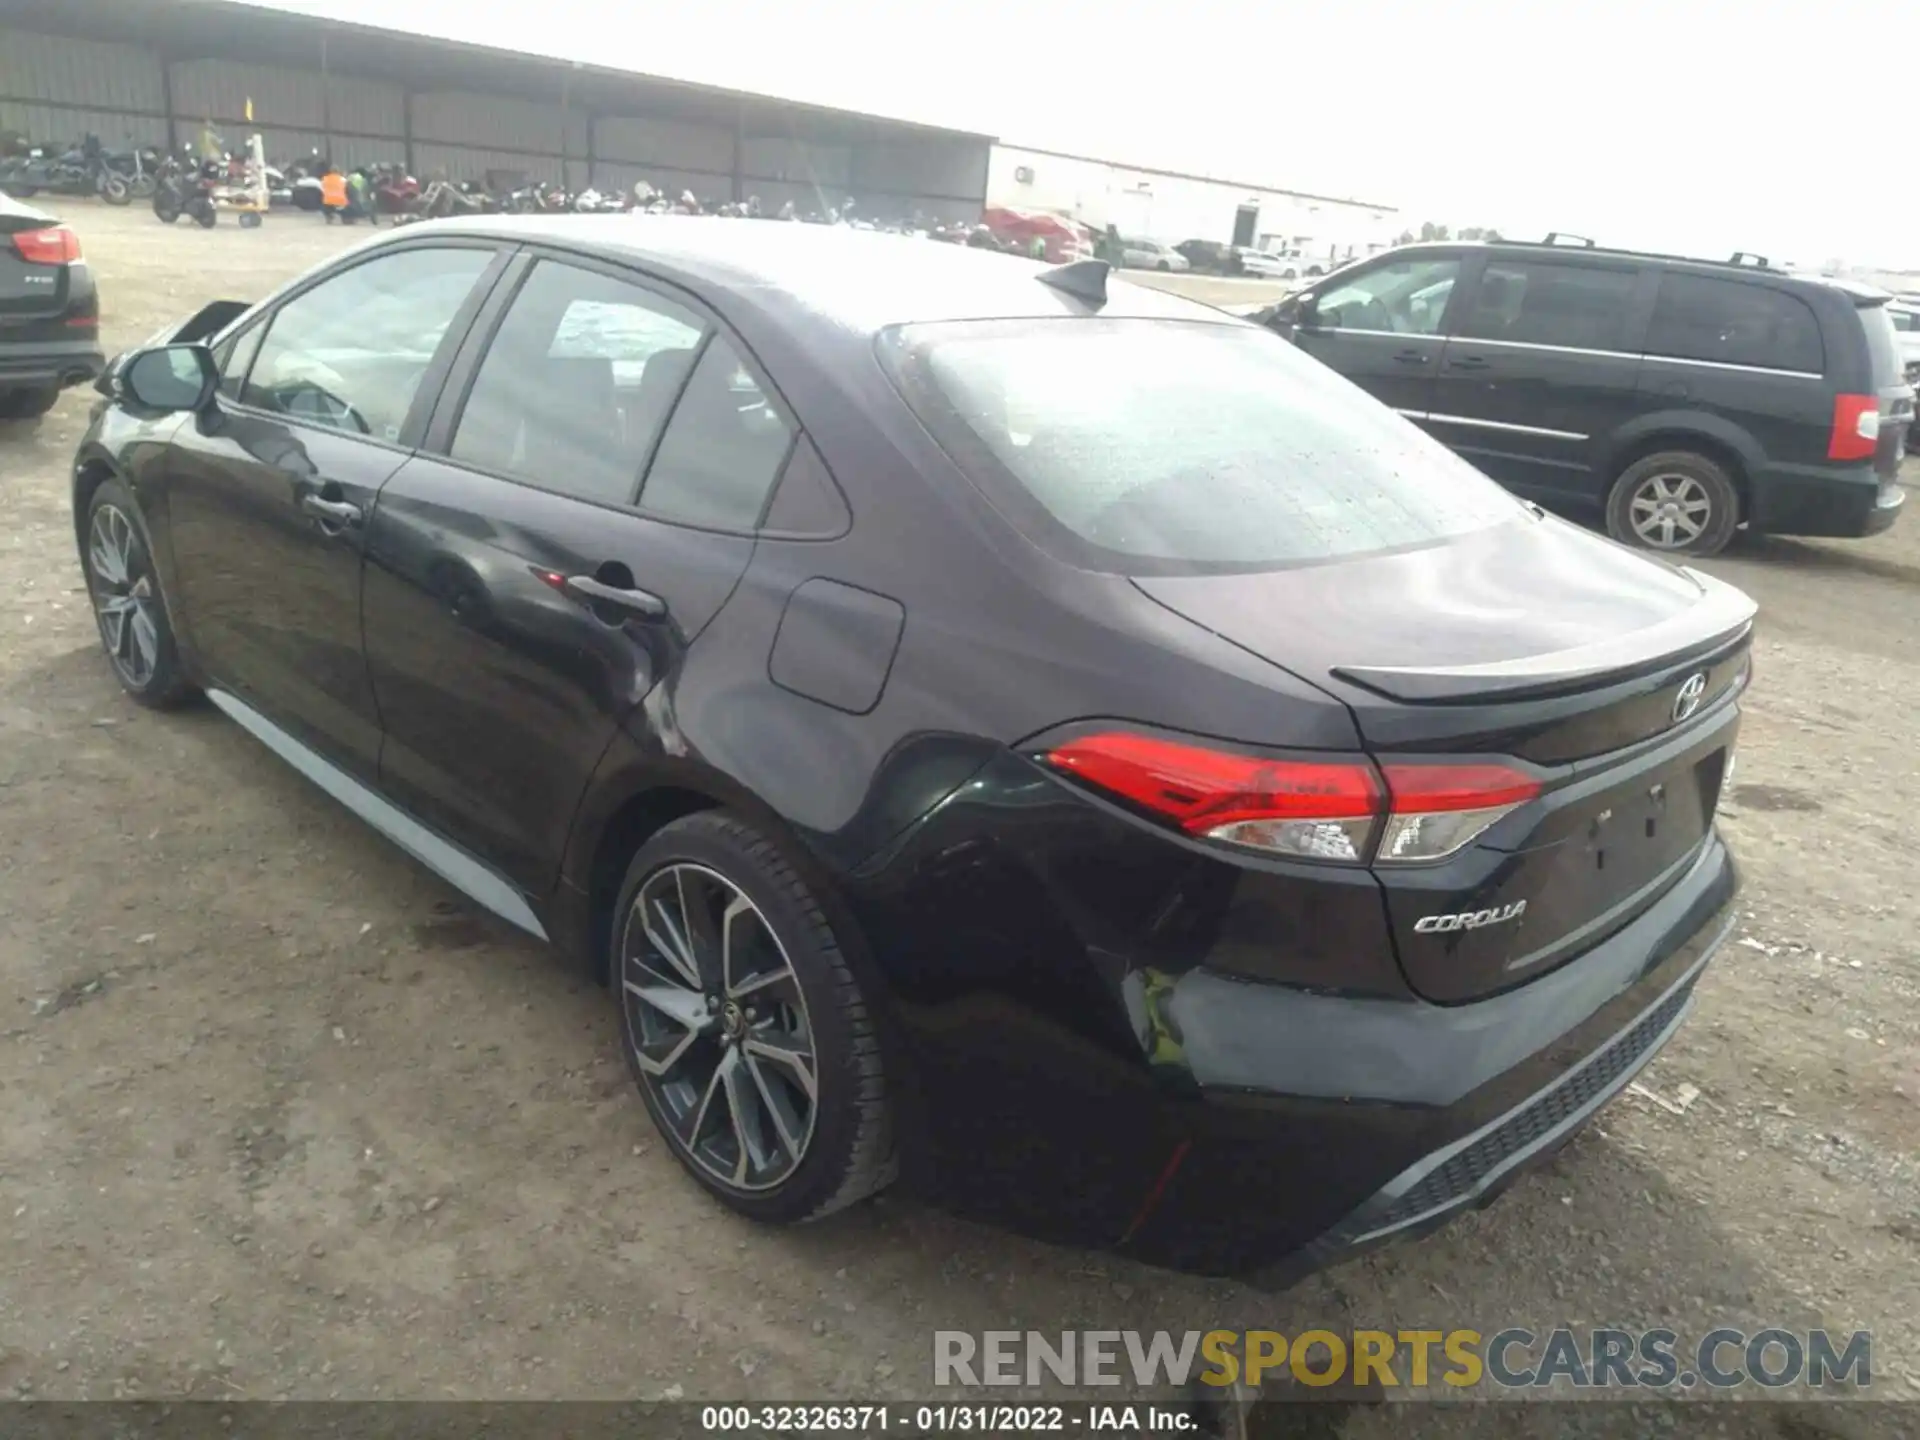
x: 1038, y: 736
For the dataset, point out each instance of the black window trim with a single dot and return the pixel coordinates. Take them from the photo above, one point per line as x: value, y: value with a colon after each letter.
x: 436, y: 438
x: 426, y: 394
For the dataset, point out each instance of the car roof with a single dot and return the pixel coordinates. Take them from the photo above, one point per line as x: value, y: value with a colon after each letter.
x: 1857, y: 291
x: 862, y: 280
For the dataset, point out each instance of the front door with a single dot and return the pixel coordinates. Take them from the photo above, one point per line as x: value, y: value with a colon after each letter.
x: 269, y: 489
x: 1384, y: 327
x: 1541, y: 370
x: 524, y: 590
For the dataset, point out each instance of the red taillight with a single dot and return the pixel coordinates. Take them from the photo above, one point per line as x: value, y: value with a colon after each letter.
x: 1426, y: 788
x: 1856, y: 427
x: 1316, y: 809
x: 1440, y: 809
x: 55, y: 245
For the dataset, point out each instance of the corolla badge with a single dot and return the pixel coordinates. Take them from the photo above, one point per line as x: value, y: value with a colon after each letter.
x: 1687, y: 698
x: 1469, y: 919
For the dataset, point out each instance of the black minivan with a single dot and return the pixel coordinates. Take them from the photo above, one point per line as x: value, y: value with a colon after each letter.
x: 1675, y: 399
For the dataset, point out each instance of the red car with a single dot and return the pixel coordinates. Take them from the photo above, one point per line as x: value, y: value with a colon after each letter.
x: 1065, y: 239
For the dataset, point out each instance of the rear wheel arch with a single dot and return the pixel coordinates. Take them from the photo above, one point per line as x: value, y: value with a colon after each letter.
x: 1725, y: 451
x: 89, y: 475
x: 636, y: 820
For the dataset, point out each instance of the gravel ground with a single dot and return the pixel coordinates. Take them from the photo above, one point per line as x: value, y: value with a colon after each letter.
x: 280, y: 1117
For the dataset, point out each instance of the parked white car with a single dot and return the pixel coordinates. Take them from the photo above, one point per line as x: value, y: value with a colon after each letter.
x: 1906, y: 330
x: 1151, y: 255
x: 1266, y: 265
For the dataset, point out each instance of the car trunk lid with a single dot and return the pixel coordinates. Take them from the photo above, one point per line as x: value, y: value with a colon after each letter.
x: 1606, y: 680
x: 31, y: 290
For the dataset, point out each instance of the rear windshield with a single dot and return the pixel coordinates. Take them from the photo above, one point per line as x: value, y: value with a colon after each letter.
x: 1162, y: 446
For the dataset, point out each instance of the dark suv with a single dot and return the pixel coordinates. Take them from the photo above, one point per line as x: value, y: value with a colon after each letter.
x: 1677, y: 399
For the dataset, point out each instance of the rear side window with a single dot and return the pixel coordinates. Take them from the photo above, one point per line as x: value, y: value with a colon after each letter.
x: 577, y: 383
x: 1581, y: 307
x: 1734, y: 322
x: 1166, y: 447
x: 723, y: 448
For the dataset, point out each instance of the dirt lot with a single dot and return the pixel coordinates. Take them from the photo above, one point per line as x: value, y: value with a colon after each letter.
x: 278, y: 1116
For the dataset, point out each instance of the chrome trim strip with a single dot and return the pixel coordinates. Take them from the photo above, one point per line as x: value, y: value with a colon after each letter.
x: 1740, y: 369
x: 1466, y: 340
x: 480, y: 882
x: 1554, y: 349
x: 1503, y: 425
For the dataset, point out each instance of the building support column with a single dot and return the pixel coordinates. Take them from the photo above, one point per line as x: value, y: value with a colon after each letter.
x: 166, y: 103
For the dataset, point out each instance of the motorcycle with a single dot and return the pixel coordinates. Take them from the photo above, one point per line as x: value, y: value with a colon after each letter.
x: 186, y: 190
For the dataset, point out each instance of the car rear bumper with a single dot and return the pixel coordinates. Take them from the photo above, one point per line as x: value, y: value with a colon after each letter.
x: 1809, y: 500
x: 35, y: 363
x: 1375, y: 1126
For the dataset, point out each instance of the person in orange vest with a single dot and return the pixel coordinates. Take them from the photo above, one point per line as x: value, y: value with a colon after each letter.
x: 333, y: 193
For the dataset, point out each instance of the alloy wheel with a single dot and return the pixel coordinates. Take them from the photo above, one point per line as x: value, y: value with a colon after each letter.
x: 1669, y: 511
x: 123, y: 596
x: 718, y: 1026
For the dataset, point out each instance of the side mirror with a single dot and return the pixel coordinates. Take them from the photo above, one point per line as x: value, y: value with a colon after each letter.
x: 170, y: 377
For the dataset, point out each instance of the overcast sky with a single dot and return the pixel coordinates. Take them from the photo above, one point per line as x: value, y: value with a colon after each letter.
x: 1780, y: 126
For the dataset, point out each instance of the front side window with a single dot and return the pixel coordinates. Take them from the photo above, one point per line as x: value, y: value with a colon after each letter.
x: 577, y: 383
x: 1734, y: 322
x: 1406, y: 297
x: 350, y: 352
x: 723, y: 448
x: 1581, y: 307
x: 234, y: 359
x: 1157, y: 447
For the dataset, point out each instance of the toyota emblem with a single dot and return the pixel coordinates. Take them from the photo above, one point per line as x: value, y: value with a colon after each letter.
x: 1687, y: 700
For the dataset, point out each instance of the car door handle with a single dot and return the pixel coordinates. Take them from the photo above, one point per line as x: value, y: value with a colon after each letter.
x: 1469, y: 362
x: 1411, y: 357
x: 643, y: 603
x: 330, y: 512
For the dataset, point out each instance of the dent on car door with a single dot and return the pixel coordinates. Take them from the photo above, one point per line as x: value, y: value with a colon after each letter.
x: 1383, y: 327
x: 524, y: 593
x: 268, y: 489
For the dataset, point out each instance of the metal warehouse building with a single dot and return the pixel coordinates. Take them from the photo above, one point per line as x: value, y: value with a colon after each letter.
x: 153, y: 71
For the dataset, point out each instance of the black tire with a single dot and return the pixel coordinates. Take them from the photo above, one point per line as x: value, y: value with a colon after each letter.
x: 161, y: 683
x: 249, y: 219
x: 166, y: 209
x: 27, y: 404
x: 847, y: 1153
x: 1658, y: 501
x: 1163, y: 266
x: 114, y: 190
x: 205, y: 216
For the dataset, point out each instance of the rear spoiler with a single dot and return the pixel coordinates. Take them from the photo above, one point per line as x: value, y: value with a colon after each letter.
x: 1721, y: 620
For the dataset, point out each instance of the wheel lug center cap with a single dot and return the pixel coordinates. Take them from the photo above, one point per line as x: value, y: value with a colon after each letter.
x: 732, y: 1021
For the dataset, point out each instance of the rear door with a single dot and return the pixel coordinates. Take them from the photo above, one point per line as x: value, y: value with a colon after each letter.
x: 525, y: 591
x: 1541, y: 370
x: 1384, y: 326
x: 1749, y: 352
